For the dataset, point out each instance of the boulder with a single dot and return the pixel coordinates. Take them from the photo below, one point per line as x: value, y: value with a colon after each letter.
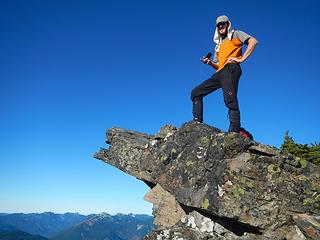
x: 233, y: 187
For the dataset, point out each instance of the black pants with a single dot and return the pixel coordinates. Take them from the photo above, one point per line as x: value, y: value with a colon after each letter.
x: 227, y: 79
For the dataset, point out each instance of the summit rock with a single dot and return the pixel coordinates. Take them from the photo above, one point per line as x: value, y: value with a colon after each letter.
x: 218, y: 185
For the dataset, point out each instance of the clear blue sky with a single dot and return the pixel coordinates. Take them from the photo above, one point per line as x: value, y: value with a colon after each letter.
x: 71, y: 69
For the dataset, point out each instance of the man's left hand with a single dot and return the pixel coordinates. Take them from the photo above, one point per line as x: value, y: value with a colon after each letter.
x: 233, y: 59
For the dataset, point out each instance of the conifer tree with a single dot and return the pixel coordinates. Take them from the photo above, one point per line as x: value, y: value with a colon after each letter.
x: 303, y: 151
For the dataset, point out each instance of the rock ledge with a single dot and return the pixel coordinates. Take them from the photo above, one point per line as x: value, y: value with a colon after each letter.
x: 208, y: 184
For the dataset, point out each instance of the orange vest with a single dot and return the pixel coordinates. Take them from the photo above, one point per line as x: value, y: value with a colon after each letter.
x: 229, y: 48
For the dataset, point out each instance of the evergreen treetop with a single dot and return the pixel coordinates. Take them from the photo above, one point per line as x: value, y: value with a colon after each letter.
x: 306, y: 152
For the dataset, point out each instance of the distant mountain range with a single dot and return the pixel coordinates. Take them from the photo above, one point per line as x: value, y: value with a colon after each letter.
x: 19, y: 235
x: 74, y: 226
x: 46, y: 224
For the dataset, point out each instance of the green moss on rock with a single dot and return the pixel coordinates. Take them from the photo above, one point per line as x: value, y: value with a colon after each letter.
x: 189, y: 163
x: 303, y: 163
x: 303, y: 178
x: 205, y: 203
x: 237, y: 191
x: 272, y: 169
x: 163, y: 158
x: 308, y: 202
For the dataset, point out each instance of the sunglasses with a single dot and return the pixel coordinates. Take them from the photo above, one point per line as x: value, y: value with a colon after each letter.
x: 221, y: 24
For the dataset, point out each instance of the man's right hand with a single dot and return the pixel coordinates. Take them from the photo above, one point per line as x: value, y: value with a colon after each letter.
x: 206, y: 60
x: 209, y: 62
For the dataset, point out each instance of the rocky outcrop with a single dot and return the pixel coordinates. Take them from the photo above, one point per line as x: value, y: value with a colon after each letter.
x: 166, y: 210
x: 217, y: 185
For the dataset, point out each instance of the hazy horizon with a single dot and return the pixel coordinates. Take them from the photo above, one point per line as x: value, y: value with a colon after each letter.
x: 85, y: 214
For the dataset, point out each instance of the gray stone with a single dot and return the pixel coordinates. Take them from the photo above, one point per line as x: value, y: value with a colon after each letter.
x: 244, y: 186
x: 166, y: 210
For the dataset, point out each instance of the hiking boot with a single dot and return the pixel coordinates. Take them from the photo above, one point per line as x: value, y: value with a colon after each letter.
x: 245, y: 134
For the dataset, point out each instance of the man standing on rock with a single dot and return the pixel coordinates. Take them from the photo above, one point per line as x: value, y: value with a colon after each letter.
x: 227, y: 59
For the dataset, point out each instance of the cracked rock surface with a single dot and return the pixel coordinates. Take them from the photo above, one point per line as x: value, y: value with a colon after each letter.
x: 228, y: 187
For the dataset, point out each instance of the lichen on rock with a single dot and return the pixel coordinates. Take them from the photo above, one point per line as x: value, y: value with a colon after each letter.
x: 224, y: 185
